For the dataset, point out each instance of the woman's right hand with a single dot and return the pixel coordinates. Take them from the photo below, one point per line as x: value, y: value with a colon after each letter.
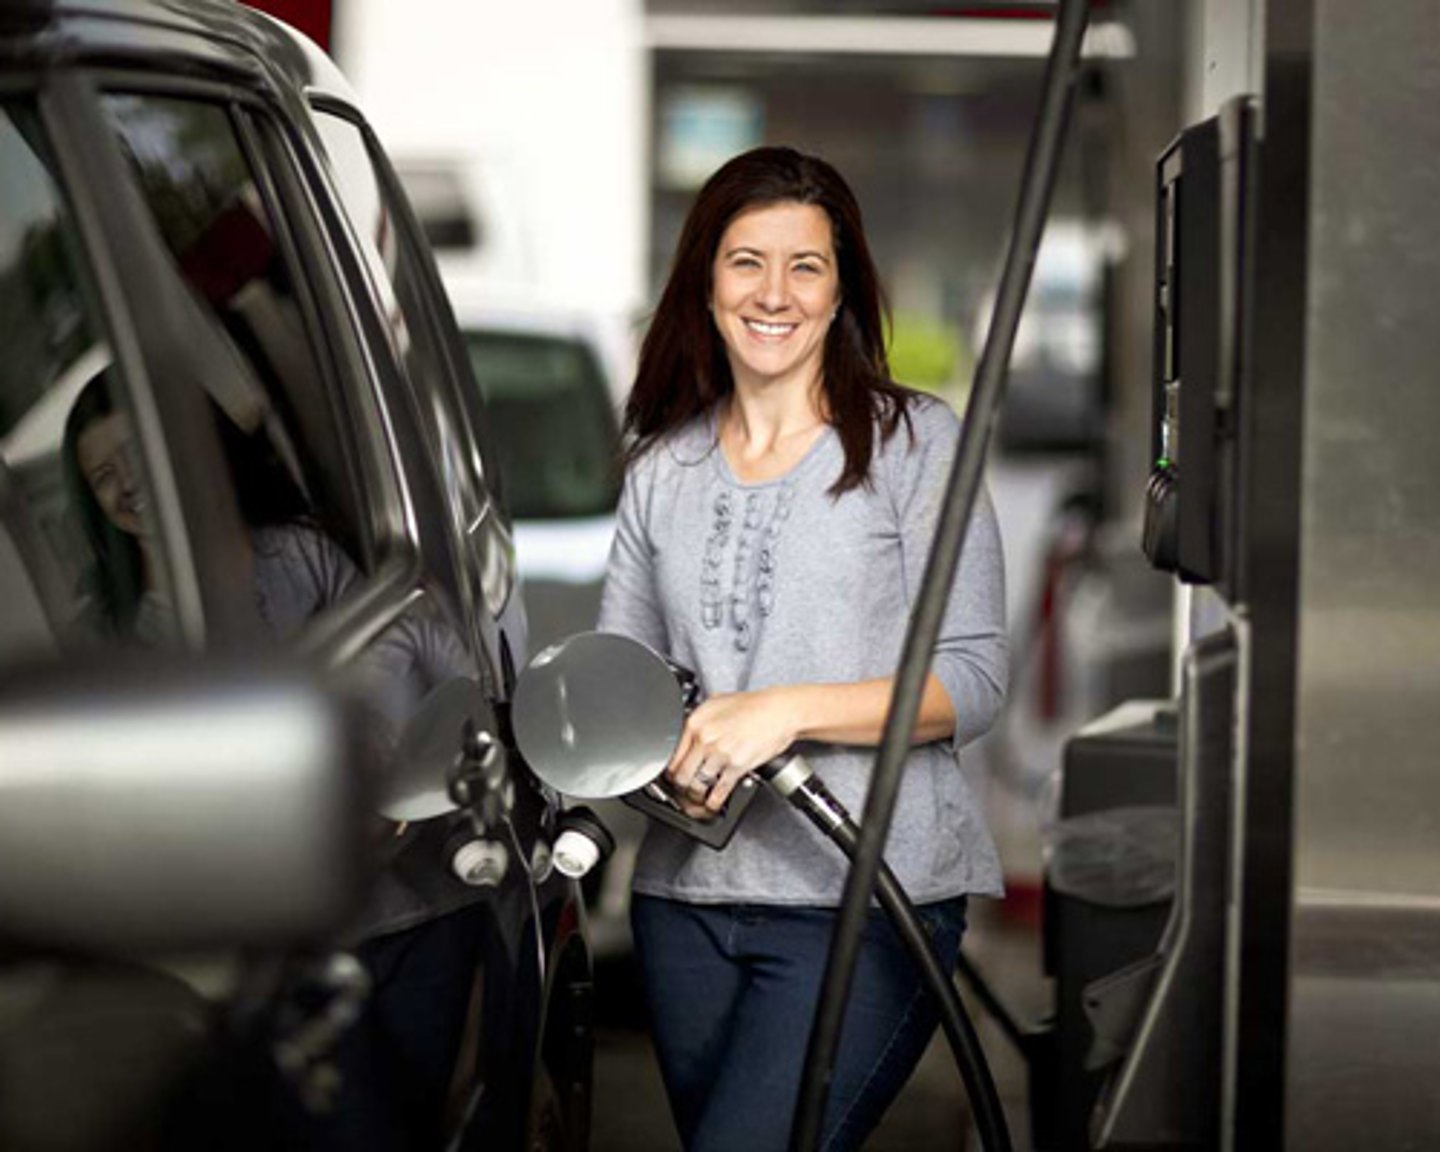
x: 727, y: 736
x: 693, y: 809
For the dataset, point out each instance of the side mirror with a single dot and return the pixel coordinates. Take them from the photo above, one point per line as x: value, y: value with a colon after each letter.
x: 149, y: 807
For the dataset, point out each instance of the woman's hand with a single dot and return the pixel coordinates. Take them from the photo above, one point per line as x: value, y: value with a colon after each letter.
x: 732, y: 734
x: 726, y: 737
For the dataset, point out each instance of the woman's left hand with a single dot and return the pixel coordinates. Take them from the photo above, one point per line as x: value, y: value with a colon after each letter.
x: 724, y: 738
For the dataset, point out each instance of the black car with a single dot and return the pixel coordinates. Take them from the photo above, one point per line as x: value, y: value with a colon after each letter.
x: 271, y: 870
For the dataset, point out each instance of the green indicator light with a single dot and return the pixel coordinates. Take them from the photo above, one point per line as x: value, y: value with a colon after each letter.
x: 1163, y: 462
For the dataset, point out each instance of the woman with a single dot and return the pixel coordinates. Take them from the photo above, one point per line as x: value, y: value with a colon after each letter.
x: 103, y: 480
x: 780, y: 498
x: 296, y: 568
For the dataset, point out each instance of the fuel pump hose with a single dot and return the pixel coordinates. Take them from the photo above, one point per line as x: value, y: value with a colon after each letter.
x: 795, y: 781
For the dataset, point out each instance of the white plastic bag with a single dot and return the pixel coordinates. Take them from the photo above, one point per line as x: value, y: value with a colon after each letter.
x: 1118, y: 857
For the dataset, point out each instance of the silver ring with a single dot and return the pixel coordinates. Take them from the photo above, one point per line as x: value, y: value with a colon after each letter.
x: 705, y: 780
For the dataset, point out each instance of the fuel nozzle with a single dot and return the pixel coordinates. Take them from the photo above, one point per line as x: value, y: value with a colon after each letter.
x: 793, y: 778
x: 583, y: 842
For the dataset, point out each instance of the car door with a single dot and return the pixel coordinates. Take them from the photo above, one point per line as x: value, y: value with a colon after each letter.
x: 98, y: 483
x: 336, y: 550
x: 459, y: 432
x: 404, y: 289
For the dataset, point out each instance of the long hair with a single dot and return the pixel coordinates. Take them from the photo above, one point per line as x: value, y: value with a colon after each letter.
x: 683, y: 369
x: 116, y: 578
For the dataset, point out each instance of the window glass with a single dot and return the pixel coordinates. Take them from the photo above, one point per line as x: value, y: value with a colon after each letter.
x: 552, y: 422
x: 199, y: 184
x: 79, y: 555
x: 275, y: 417
x: 402, y: 301
x: 442, y: 204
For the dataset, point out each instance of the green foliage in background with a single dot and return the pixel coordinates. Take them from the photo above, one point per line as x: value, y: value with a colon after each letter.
x: 928, y: 354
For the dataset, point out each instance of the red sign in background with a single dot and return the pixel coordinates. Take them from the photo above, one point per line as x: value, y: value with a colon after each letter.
x: 311, y: 17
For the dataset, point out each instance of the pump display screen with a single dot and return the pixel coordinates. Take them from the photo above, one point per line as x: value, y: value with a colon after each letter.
x: 1202, y: 238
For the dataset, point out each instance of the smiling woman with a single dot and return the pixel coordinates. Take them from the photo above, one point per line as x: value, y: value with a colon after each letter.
x: 775, y: 291
x: 800, y: 213
x: 771, y: 535
x: 106, y: 488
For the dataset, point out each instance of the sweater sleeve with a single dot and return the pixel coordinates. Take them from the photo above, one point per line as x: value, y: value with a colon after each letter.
x: 972, y: 652
x: 629, y: 604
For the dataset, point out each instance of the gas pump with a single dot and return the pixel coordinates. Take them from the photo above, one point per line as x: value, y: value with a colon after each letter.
x: 1192, y: 511
x: 1141, y: 993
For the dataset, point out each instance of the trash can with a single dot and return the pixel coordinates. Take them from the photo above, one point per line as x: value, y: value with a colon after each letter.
x: 1109, y: 877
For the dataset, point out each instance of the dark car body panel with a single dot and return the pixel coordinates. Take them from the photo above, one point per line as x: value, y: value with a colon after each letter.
x: 420, y: 547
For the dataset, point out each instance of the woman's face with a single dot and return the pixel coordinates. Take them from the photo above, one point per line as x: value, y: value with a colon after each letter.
x: 775, y: 285
x: 106, y: 455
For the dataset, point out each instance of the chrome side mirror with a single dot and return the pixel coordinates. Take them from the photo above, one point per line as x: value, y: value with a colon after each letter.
x: 163, y: 806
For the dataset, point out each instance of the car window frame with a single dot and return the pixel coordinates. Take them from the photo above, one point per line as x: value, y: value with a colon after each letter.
x: 463, y: 392
x: 471, y: 495
x: 125, y: 259
x: 336, y: 326
x: 302, y: 166
x: 435, y: 304
x: 480, y: 536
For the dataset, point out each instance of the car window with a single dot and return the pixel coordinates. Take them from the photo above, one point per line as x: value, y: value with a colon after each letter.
x: 80, y: 562
x: 402, y: 301
x: 278, y: 425
x: 451, y: 407
x: 550, y: 414
x: 204, y: 191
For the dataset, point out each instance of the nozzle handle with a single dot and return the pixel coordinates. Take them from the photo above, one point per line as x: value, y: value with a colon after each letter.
x: 657, y: 803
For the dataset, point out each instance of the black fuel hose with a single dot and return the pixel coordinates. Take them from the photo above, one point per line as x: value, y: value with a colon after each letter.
x: 1037, y: 183
x: 808, y: 794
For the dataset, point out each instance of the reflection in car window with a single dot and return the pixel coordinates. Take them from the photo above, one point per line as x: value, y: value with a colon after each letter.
x: 552, y: 421
x: 272, y: 411
x: 401, y: 302
x: 211, y: 215
x: 78, y: 554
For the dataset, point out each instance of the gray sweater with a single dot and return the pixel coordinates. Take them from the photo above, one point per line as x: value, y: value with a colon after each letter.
x: 754, y: 585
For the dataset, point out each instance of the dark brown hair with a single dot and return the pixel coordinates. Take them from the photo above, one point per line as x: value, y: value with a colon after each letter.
x: 115, y: 579
x: 683, y: 368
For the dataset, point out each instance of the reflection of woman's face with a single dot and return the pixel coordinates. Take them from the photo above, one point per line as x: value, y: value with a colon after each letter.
x: 106, y: 452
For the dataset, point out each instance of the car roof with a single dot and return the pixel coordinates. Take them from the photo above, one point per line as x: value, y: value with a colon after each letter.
x: 187, y: 36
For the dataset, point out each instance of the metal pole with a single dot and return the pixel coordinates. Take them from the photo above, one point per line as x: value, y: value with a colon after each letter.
x: 1041, y: 163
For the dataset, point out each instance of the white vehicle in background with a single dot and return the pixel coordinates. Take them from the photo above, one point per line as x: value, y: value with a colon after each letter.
x: 549, y: 376
x: 469, y: 209
x: 553, y: 376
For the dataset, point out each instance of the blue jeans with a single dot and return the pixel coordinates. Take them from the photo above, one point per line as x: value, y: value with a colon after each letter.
x: 732, y: 990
